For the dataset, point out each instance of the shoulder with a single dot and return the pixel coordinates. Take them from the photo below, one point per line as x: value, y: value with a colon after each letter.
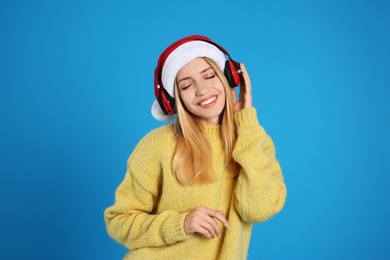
x: 160, y: 136
x: 153, y: 144
x: 145, y: 162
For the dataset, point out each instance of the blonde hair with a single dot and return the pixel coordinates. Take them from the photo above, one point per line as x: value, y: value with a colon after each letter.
x: 192, y: 160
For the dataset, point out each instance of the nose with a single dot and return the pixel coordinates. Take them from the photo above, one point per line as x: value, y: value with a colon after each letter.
x: 202, y: 90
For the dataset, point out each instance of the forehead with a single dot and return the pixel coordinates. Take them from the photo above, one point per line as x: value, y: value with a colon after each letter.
x: 197, y: 65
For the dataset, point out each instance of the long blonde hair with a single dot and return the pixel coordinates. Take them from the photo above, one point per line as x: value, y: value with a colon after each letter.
x: 192, y: 160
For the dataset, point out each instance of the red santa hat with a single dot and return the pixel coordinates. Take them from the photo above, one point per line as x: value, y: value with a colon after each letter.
x: 176, y: 57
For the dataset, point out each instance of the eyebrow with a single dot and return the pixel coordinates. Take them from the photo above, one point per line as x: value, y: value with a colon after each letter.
x: 203, y: 71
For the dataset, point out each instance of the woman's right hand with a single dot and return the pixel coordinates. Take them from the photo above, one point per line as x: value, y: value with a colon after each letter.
x: 204, y: 221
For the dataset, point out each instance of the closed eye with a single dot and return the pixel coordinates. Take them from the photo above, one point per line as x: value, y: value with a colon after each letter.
x: 185, y: 87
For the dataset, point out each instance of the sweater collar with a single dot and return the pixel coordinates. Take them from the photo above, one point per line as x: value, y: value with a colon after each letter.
x: 212, y: 131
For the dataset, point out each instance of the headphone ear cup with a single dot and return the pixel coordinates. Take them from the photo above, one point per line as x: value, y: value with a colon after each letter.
x: 167, y: 103
x: 233, y: 73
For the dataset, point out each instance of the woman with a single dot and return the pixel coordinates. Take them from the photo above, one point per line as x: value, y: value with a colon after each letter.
x: 194, y: 188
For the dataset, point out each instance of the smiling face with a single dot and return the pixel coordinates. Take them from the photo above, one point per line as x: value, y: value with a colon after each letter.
x: 201, y: 91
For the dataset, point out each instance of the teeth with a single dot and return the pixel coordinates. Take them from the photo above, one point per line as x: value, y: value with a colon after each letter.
x: 208, y: 101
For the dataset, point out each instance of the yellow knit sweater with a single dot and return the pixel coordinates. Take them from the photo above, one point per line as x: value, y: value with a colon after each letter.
x: 151, y: 205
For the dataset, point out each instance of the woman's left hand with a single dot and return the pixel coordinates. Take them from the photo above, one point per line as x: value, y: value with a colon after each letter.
x: 245, y: 100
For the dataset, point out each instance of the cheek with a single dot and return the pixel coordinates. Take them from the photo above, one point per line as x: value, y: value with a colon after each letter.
x: 223, y: 101
x: 186, y: 97
x: 223, y: 94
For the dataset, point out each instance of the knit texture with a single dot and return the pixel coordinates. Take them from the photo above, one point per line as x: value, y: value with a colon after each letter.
x: 151, y: 205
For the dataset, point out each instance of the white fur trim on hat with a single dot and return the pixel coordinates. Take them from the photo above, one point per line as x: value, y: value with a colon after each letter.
x: 177, y: 59
x: 157, y: 112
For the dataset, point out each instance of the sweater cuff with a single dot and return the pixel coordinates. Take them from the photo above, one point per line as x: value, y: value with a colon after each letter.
x: 246, y: 117
x: 174, y: 230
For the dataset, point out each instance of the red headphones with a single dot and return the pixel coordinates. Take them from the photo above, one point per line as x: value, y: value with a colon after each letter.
x: 232, y: 72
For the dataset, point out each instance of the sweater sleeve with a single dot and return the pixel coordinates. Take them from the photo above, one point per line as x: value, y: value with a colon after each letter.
x: 132, y: 220
x: 260, y: 190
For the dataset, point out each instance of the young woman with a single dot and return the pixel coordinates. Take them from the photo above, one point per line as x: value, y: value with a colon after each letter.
x: 194, y: 187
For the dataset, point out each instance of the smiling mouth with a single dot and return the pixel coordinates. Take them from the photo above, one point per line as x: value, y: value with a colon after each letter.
x: 208, y: 101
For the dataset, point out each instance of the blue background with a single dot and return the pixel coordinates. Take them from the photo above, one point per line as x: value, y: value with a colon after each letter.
x: 76, y: 85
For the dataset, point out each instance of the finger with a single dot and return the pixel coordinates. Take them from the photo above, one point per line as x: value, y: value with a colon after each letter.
x: 246, y: 86
x: 197, y: 223
x: 245, y: 91
x: 221, y: 218
x: 218, y: 214
x: 243, y: 83
x: 204, y: 221
x: 215, y: 226
x: 204, y: 230
x: 234, y: 95
x: 212, y: 227
x: 201, y: 221
x: 245, y: 76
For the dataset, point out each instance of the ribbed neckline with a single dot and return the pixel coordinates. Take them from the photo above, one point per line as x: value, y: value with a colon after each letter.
x: 213, y: 132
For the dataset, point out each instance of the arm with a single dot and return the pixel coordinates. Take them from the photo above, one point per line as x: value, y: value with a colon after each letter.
x: 260, y: 191
x: 132, y: 220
